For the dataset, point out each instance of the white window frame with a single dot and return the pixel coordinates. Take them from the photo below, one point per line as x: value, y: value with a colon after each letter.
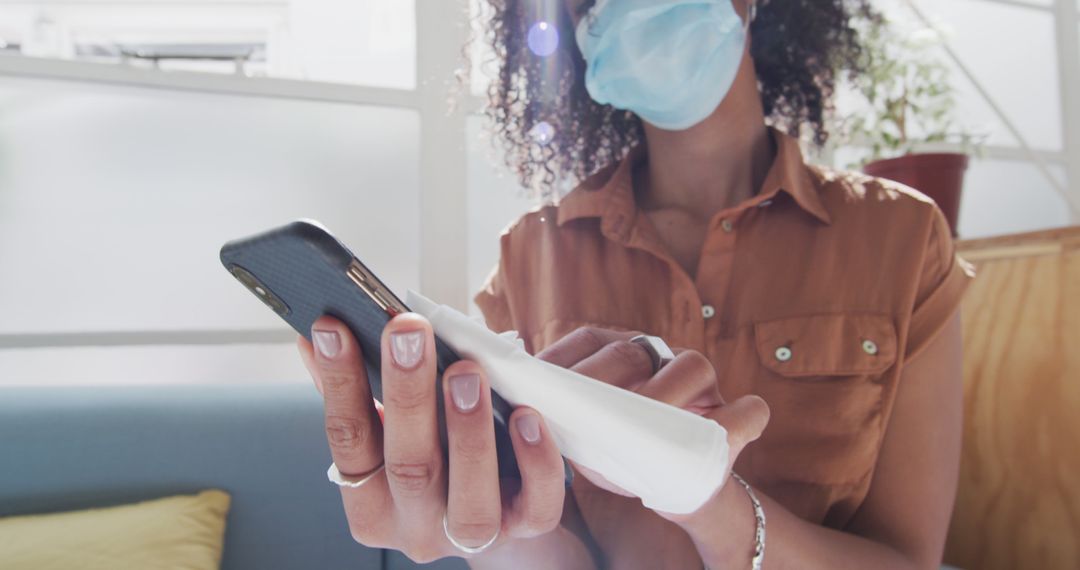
x: 443, y: 166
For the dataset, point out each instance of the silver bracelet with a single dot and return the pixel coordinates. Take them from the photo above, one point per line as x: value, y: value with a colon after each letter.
x: 759, y: 517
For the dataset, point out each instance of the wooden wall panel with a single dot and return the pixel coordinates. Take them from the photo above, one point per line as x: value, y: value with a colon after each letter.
x: 1018, y: 504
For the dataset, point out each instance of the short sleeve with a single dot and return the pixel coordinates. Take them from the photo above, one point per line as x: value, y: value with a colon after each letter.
x: 942, y: 281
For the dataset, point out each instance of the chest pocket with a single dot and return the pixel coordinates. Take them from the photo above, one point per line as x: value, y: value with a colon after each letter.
x: 823, y: 377
x: 827, y: 345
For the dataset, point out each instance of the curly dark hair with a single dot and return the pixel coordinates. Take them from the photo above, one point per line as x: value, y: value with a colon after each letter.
x: 552, y: 130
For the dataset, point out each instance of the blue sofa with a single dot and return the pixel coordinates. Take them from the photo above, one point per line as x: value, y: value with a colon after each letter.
x: 72, y: 448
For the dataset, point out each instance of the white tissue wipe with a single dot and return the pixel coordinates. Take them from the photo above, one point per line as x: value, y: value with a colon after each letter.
x: 672, y: 459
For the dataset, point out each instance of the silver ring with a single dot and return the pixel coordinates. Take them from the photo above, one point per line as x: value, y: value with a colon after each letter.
x: 335, y: 476
x: 462, y: 547
x: 658, y: 350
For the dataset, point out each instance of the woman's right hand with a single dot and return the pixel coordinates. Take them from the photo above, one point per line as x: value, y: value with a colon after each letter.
x: 402, y: 507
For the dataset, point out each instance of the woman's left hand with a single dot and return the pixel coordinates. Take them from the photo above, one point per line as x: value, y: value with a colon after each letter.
x: 688, y: 382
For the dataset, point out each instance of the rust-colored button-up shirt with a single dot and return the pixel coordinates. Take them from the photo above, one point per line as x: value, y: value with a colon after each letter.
x: 812, y: 294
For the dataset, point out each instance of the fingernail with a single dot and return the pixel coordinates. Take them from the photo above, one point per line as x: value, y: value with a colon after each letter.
x: 529, y: 427
x: 327, y: 342
x: 407, y: 348
x: 465, y: 391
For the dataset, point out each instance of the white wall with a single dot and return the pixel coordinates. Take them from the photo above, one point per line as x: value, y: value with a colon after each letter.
x: 495, y: 201
x: 114, y: 201
x: 372, y: 42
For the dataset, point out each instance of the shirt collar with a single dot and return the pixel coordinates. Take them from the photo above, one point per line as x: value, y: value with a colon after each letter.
x: 609, y: 193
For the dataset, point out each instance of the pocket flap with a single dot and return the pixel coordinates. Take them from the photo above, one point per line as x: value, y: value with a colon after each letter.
x: 827, y: 345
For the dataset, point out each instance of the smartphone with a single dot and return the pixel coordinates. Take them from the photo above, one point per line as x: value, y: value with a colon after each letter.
x: 301, y: 272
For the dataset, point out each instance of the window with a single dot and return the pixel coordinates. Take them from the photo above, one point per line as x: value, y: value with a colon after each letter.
x: 370, y: 42
x: 1015, y: 51
x: 135, y: 141
x: 114, y: 201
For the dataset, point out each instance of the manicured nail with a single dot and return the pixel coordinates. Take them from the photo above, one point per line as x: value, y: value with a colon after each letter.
x: 407, y: 348
x: 327, y: 342
x: 465, y: 391
x: 529, y: 427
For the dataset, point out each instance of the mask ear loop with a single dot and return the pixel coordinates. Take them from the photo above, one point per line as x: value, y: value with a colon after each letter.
x: 751, y: 14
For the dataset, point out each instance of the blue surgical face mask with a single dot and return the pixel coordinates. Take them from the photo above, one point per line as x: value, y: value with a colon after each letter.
x: 670, y: 62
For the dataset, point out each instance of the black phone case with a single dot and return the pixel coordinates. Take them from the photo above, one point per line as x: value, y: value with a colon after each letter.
x: 306, y: 268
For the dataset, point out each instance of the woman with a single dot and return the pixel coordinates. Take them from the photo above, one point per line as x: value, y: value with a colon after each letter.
x: 829, y: 296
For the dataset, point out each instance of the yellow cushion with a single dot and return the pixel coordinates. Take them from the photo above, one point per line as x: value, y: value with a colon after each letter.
x: 185, y: 531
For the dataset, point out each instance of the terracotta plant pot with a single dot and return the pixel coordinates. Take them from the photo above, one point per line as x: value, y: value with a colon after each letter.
x: 940, y: 176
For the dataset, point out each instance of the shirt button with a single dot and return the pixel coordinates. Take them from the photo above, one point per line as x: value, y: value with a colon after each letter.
x: 708, y: 311
x: 869, y: 347
x: 725, y: 225
x: 783, y: 354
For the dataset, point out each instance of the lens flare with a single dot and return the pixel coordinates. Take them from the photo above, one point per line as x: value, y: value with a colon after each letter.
x: 543, y: 39
x: 542, y: 133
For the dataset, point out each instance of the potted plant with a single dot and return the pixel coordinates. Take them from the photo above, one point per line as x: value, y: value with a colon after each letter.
x: 901, y: 105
